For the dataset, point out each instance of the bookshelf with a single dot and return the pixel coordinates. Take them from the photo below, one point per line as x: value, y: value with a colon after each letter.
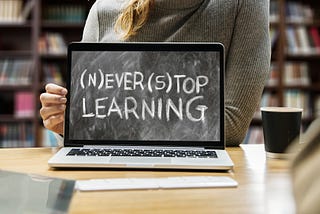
x: 33, y: 38
x: 295, y: 78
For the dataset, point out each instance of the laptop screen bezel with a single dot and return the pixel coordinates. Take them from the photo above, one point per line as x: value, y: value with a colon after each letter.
x: 203, y: 47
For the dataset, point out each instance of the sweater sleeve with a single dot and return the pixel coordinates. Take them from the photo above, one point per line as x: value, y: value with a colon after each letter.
x: 91, y: 28
x: 247, y: 67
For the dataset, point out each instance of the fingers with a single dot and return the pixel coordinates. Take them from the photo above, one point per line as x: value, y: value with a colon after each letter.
x: 54, y: 123
x: 48, y: 111
x: 56, y: 89
x: 48, y: 99
x: 53, y: 106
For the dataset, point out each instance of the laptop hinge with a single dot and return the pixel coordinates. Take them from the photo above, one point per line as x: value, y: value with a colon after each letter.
x: 73, y: 145
x: 214, y: 148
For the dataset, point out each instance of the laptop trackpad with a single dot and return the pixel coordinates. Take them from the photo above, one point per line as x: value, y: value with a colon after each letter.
x: 140, y: 160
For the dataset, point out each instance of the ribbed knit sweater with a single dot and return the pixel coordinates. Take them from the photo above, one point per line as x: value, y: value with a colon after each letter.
x: 242, y: 26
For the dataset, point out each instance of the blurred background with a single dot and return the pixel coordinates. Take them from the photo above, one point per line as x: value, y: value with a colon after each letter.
x: 34, y: 35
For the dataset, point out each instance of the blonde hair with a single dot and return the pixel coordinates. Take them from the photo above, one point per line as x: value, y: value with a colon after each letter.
x: 133, y: 16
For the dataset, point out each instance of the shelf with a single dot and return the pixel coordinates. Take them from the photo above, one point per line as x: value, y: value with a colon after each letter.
x: 15, y: 88
x: 313, y: 87
x: 15, y: 53
x: 5, y: 118
x: 53, y: 56
x: 15, y: 25
x: 274, y: 23
x: 62, y: 25
x: 315, y: 23
x: 271, y: 87
x: 20, y: 40
x: 302, y: 57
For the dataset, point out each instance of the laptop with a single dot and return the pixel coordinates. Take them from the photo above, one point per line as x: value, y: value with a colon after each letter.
x: 145, y: 105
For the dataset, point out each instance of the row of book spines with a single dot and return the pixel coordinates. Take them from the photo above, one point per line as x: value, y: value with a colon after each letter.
x: 302, y: 40
x: 16, y: 135
x: 65, y: 13
x: 292, y: 98
x: 16, y: 71
x: 15, y: 10
x: 52, y: 43
x: 10, y: 10
x: 295, y: 11
x: 294, y: 74
x: 19, y: 72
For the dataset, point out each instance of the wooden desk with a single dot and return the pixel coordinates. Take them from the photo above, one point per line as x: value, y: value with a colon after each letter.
x: 264, y: 186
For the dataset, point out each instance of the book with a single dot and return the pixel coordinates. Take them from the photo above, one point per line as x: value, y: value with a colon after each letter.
x: 296, y: 74
x: 292, y: 43
x: 16, y: 135
x: 299, y: 99
x: 315, y: 37
x: 300, y: 40
x: 298, y: 12
x: 24, y: 104
x: 10, y: 11
x: 16, y: 71
x: 303, y: 40
x: 65, y: 13
x: 52, y: 43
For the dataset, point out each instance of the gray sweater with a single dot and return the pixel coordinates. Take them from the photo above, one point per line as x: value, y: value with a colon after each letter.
x: 242, y: 26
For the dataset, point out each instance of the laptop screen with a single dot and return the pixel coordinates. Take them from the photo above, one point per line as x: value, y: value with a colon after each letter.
x: 142, y: 93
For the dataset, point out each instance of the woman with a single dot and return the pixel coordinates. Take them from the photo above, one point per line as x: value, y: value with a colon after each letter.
x: 241, y: 26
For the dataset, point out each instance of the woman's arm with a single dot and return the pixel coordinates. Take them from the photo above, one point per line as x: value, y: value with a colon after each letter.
x: 247, y: 67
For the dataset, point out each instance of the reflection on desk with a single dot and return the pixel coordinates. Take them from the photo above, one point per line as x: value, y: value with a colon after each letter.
x: 29, y: 193
x: 264, y: 185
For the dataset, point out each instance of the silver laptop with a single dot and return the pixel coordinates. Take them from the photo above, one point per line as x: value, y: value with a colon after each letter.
x: 145, y: 105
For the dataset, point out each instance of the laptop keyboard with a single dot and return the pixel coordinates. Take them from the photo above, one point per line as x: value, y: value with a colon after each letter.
x: 143, y: 153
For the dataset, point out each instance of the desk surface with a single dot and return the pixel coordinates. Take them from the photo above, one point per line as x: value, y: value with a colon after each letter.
x: 264, y: 186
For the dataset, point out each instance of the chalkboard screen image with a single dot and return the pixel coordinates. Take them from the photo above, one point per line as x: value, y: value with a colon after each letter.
x: 145, y: 96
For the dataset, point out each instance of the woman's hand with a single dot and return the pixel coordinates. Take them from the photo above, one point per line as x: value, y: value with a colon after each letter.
x: 53, y: 103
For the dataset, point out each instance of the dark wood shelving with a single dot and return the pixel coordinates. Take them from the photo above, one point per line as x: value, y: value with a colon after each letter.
x: 30, y: 31
x: 54, y: 56
x: 302, y: 57
x: 6, y: 118
x: 279, y: 92
x: 313, y: 87
x: 315, y: 23
x: 4, y: 88
x: 20, y: 40
x: 62, y: 25
x: 15, y: 25
x: 16, y: 53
